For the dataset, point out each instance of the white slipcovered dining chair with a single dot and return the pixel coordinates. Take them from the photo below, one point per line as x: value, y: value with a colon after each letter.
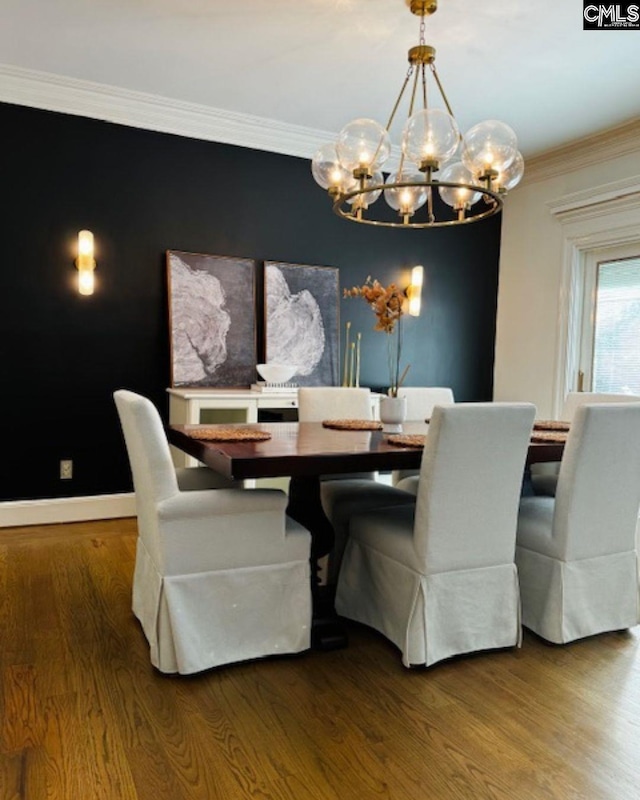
x: 318, y: 403
x: 576, y: 553
x: 437, y: 575
x: 341, y: 495
x: 421, y: 401
x: 544, y: 475
x: 221, y: 575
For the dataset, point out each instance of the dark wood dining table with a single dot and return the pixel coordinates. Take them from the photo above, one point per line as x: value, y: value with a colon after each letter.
x: 305, y: 451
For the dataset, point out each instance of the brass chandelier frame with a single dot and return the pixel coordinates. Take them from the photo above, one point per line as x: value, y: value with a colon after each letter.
x: 492, y: 199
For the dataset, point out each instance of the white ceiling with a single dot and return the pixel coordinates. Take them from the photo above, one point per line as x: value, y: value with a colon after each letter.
x: 320, y: 63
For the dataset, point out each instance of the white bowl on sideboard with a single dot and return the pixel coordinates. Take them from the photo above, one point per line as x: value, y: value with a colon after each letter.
x: 276, y: 373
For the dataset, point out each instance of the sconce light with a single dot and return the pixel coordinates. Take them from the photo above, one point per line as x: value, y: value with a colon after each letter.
x: 414, y: 291
x: 85, y: 262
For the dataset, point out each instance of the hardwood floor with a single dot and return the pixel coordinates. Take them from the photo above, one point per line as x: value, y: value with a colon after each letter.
x: 83, y: 715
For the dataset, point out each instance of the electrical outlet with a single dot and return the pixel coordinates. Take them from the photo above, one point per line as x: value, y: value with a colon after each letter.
x: 66, y: 470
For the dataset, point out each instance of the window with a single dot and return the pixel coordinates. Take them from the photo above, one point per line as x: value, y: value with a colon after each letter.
x: 600, y: 224
x: 610, y: 341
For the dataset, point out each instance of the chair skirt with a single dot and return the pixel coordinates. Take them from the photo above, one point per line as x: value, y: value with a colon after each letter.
x: 434, y: 616
x: 197, y: 621
x: 563, y: 601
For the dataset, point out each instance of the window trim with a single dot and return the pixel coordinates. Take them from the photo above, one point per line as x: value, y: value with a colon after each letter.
x: 601, y: 218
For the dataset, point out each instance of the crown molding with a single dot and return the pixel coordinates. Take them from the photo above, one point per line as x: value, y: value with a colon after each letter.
x: 586, y: 152
x: 153, y: 112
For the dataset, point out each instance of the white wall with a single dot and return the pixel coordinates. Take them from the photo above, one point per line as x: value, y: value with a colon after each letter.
x: 534, y: 256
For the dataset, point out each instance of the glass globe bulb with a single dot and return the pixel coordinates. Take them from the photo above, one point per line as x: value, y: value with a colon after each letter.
x: 368, y: 198
x: 430, y: 135
x: 512, y: 175
x: 363, y: 144
x: 489, y: 145
x: 406, y: 199
x: 458, y: 198
x: 327, y: 170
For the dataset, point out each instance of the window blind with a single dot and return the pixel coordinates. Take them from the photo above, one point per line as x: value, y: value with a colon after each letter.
x: 616, y: 346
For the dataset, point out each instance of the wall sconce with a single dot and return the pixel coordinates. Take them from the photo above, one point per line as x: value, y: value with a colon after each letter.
x: 414, y: 291
x: 85, y: 262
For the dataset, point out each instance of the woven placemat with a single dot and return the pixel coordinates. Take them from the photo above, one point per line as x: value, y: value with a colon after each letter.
x: 549, y: 436
x: 352, y: 424
x: 407, y: 439
x: 230, y: 435
x: 550, y: 425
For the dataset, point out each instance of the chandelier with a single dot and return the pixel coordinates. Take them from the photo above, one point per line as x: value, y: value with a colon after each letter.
x: 443, y: 177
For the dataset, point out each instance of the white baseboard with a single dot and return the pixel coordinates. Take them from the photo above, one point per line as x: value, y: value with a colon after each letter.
x: 17, y: 513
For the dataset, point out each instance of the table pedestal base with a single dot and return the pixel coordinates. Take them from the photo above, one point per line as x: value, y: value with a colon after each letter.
x: 327, y: 629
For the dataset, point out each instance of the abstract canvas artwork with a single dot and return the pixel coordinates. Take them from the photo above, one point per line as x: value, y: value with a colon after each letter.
x: 301, y: 321
x: 212, y: 319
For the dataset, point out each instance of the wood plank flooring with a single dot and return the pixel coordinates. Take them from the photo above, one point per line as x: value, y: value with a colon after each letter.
x: 84, y: 716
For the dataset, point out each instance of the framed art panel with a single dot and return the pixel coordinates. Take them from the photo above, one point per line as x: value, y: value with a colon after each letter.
x: 301, y: 321
x: 211, y: 319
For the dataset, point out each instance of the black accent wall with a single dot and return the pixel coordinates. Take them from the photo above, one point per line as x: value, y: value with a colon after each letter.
x: 142, y: 193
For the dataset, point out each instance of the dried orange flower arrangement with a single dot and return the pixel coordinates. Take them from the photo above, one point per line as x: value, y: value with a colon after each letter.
x: 387, y: 304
